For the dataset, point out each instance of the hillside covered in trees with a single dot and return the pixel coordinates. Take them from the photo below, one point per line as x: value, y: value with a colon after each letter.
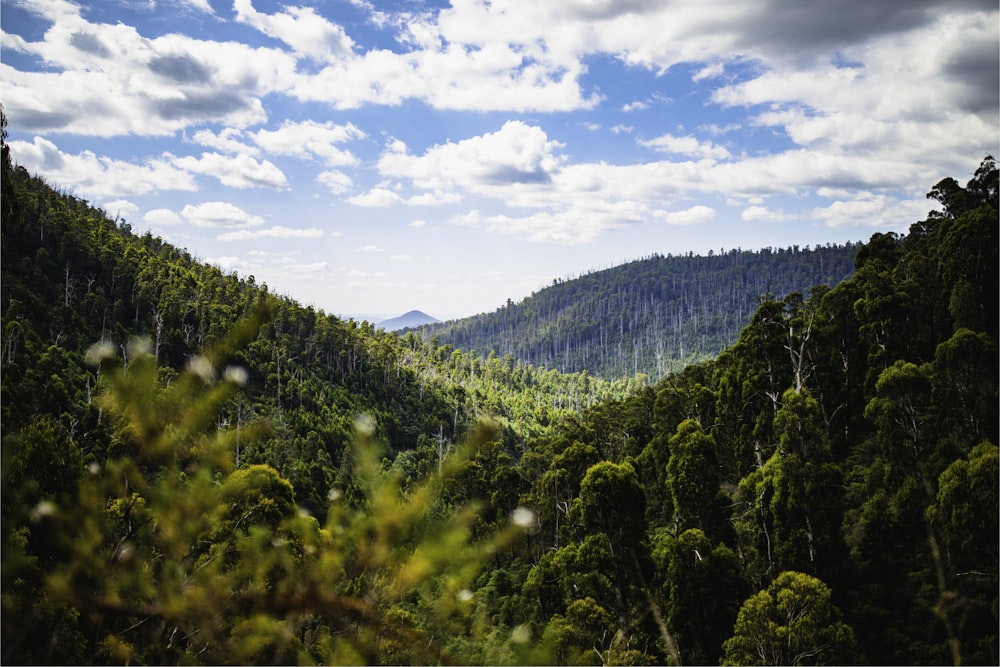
x: 299, y: 489
x: 651, y: 316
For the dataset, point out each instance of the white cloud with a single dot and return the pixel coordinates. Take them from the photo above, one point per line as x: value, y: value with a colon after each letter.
x: 108, y: 80
x: 515, y: 155
x: 216, y: 214
x: 436, y: 198
x: 870, y: 210
x: 709, y: 71
x: 375, y: 197
x: 308, y: 139
x: 236, y: 171
x: 225, y: 262
x: 89, y: 175
x: 201, y: 5
x: 418, y: 224
x: 227, y: 141
x: 368, y: 248
x: 276, y: 232
x: 120, y: 208
x: 696, y: 215
x: 467, y: 219
x: 688, y: 146
x: 336, y: 181
x: 301, y: 28
x: 759, y: 213
x: 162, y: 216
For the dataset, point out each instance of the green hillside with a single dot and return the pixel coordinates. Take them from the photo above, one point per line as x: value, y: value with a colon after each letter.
x: 198, y: 471
x: 651, y: 316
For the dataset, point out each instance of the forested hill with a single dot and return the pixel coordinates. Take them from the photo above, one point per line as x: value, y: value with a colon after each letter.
x: 825, y: 491
x: 72, y: 278
x: 650, y: 316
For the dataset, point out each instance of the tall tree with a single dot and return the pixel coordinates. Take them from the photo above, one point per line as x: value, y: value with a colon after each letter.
x: 791, y: 622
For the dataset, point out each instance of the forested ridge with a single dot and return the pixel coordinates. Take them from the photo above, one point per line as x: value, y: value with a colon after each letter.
x: 196, y: 470
x: 652, y: 316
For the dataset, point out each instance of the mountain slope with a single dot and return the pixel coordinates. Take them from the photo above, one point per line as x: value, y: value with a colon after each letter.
x: 650, y: 316
x: 413, y: 318
x: 72, y: 278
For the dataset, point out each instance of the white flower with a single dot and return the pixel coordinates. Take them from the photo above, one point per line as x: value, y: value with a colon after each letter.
x: 521, y: 634
x: 100, y: 352
x: 364, y: 424
x: 43, y: 509
x: 523, y: 517
x: 202, y: 367
x: 236, y: 375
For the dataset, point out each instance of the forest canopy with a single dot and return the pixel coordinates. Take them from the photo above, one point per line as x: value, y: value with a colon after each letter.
x: 297, y: 488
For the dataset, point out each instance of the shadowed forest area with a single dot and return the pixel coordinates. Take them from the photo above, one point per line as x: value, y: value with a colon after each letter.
x: 197, y: 470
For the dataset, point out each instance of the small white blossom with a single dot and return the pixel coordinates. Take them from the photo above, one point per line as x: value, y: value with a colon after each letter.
x: 523, y: 517
x: 100, y: 352
x: 140, y: 347
x: 202, y: 367
x: 43, y: 509
x: 236, y: 375
x: 364, y: 424
x: 521, y: 634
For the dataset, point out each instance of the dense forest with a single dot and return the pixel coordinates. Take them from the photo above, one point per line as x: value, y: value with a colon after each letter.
x: 652, y: 316
x: 294, y: 488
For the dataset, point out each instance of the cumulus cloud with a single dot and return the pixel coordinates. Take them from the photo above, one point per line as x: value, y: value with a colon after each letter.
x: 101, y: 177
x: 757, y: 213
x: 301, y: 28
x: 108, y: 80
x: 239, y: 171
x: 120, y: 208
x: 688, y: 146
x: 219, y: 214
x: 227, y: 140
x: 516, y: 154
x: 309, y: 139
x: 336, y: 181
x: 859, y: 93
x: 276, y: 232
x: 375, y: 197
x: 696, y: 215
x: 871, y: 210
x: 162, y: 216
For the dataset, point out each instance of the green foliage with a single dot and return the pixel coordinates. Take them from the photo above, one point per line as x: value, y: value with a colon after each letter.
x: 170, y: 541
x: 652, y: 316
x: 204, y: 494
x: 792, y: 622
x: 693, y: 477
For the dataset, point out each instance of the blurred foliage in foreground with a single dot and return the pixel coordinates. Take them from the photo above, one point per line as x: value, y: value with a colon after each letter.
x: 171, y: 555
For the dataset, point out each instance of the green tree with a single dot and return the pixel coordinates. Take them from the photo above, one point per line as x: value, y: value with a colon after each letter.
x: 169, y: 541
x: 704, y: 589
x: 693, y: 478
x: 792, y: 622
x: 612, y: 503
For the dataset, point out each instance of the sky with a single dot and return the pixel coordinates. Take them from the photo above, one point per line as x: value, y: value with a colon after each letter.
x: 368, y: 158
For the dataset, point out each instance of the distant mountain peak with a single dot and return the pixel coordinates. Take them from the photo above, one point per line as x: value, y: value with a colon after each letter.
x: 413, y: 318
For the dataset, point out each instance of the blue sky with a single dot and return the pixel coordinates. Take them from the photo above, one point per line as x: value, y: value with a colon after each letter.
x: 370, y: 158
